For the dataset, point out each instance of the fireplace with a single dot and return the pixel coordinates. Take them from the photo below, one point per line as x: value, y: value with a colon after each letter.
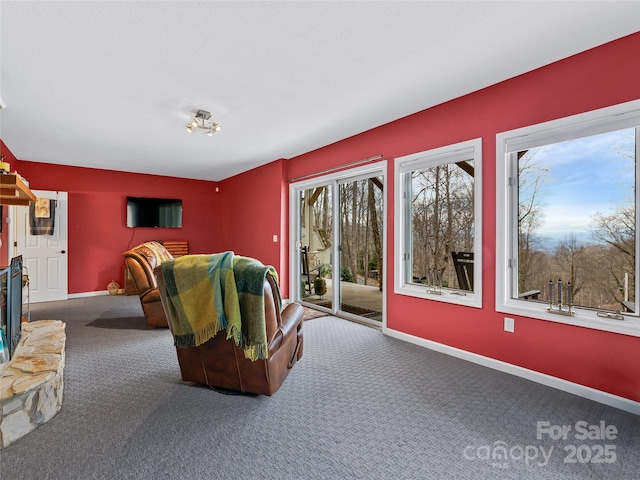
x: 11, y: 303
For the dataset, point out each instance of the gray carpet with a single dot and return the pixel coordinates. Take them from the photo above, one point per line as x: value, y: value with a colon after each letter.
x: 358, y: 405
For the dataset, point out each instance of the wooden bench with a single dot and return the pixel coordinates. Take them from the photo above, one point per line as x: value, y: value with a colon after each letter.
x: 177, y: 248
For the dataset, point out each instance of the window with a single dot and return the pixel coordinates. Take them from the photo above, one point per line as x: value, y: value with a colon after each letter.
x: 567, y: 201
x: 438, y: 224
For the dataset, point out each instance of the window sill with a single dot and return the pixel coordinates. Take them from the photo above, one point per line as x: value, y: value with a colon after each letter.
x: 583, y: 318
x: 457, y: 297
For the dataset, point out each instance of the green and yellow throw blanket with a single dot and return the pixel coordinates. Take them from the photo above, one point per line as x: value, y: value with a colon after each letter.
x: 209, y: 293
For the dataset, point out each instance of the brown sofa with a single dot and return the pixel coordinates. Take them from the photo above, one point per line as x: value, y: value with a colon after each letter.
x: 141, y: 261
x: 219, y: 363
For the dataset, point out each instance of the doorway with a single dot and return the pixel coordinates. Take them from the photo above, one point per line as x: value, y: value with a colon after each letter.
x: 44, y: 256
x: 338, y: 228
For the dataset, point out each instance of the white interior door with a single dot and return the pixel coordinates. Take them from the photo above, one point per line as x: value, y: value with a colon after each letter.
x: 44, y: 256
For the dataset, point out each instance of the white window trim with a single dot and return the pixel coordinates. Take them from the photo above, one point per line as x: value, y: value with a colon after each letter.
x: 447, y: 154
x: 603, y: 120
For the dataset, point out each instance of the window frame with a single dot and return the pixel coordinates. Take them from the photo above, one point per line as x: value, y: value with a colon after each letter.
x: 468, y: 150
x: 609, y: 119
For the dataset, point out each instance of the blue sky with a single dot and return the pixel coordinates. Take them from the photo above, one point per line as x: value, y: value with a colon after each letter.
x: 585, y: 176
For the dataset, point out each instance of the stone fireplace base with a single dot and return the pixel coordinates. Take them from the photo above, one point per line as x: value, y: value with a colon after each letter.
x: 31, y: 383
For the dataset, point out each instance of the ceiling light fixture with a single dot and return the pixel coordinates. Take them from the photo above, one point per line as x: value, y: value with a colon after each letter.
x: 202, y: 121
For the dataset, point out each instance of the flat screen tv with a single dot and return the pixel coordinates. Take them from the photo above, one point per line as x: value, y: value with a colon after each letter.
x: 154, y: 212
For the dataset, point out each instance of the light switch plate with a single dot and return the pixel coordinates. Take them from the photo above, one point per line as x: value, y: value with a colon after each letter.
x: 509, y: 325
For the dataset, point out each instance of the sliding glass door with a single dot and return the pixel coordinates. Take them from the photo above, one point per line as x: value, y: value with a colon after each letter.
x: 361, y: 253
x: 338, y: 230
x: 315, y: 244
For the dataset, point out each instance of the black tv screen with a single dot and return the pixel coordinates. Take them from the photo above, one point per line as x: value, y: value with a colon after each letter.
x: 154, y: 212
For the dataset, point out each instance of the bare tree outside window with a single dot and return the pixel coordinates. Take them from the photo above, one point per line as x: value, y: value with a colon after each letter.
x: 442, y: 219
x: 576, y: 219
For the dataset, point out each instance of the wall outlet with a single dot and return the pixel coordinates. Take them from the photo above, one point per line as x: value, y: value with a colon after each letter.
x: 509, y: 325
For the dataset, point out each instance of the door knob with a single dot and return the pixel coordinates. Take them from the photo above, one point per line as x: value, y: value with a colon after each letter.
x: 63, y: 251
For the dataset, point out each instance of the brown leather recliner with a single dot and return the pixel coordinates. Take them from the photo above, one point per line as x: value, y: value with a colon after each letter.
x: 141, y: 261
x: 220, y: 363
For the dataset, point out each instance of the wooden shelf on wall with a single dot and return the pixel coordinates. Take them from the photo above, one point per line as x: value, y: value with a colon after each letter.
x: 13, y: 190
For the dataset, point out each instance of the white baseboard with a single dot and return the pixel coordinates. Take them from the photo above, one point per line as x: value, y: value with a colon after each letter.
x: 88, y: 294
x: 542, y: 378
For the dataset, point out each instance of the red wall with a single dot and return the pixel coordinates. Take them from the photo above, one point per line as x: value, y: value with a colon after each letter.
x: 594, y: 79
x: 253, y: 207
x: 97, y: 217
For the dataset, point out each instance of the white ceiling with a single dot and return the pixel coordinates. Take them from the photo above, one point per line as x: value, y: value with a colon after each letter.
x: 112, y: 84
